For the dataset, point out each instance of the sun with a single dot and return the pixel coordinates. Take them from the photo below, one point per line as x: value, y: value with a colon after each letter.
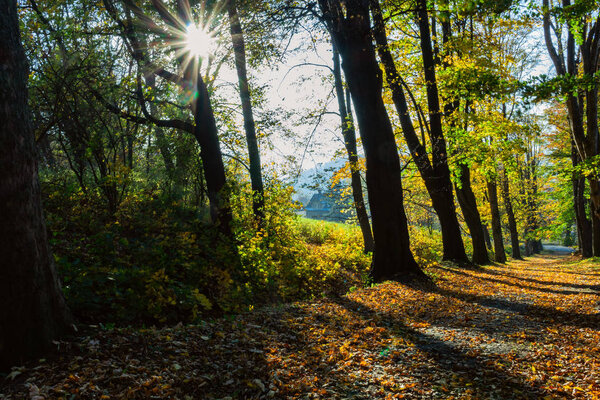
x: 199, y: 42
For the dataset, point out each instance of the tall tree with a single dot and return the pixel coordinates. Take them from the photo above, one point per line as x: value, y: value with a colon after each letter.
x: 468, y: 205
x: 349, y: 134
x: 349, y: 24
x: 33, y: 310
x: 204, y: 127
x: 239, y: 49
x: 512, y: 222
x: 492, y: 192
x: 464, y: 191
x: 583, y: 223
x: 435, y: 172
x: 577, y: 52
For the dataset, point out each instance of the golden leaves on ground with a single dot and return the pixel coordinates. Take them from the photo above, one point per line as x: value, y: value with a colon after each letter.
x: 528, y: 330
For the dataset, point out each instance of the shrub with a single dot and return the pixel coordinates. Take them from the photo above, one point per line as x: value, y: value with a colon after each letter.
x: 157, y: 261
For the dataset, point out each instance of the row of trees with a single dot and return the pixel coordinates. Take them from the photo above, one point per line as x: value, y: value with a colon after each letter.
x: 117, y: 99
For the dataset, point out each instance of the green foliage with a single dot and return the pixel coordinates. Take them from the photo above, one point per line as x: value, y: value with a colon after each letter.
x: 156, y: 261
x: 289, y: 258
x: 426, y: 246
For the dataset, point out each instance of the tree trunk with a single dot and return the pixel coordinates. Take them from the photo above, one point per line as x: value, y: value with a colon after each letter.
x: 239, y: 49
x: 33, y: 311
x: 349, y: 26
x: 512, y: 223
x: 349, y: 134
x: 584, y: 225
x: 595, y: 232
x: 436, y: 174
x: 499, y: 254
x: 468, y: 205
x: 586, y: 55
x: 205, y: 131
x: 486, y: 234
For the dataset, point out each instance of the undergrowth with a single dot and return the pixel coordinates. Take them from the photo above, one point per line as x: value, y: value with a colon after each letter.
x: 158, y: 261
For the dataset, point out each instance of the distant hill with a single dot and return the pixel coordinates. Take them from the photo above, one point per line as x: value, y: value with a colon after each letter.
x: 315, y: 180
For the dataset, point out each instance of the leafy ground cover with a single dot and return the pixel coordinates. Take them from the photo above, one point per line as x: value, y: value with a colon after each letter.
x: 527, y: 330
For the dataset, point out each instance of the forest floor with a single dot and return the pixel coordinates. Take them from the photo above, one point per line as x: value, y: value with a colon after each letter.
x: 524, y: 330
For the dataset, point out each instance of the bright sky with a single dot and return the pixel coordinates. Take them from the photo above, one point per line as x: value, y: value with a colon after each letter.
x: 301, y: 88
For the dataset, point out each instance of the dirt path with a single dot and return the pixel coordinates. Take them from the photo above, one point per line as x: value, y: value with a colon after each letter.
x: 529, y: 329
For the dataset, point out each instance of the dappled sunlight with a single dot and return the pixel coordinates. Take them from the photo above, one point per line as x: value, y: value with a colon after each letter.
x: 484, y: 333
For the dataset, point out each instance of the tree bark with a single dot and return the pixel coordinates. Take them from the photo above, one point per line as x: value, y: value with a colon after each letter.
x: 205, y: 131
x: 595, y: 232
x: 349, y: 25
x: 586, y: 54
x: 488, y: 240
x: 239, y: 49
x: 33, y: 311
x: 499, y: 254
x: 583, y: 223
x: 468, y: 205
x: 349, y: 134
x: 512, y: 222
x: 435, y: 173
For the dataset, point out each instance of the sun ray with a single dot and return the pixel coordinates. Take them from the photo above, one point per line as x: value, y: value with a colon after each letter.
x: 199, y: 42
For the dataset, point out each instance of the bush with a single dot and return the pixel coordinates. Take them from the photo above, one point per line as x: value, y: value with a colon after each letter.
x: 426, y: 245
x: 156, y: 261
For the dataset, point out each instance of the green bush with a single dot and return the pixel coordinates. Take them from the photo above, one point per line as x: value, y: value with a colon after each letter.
x: 426, y: 245
x: 157, y: 261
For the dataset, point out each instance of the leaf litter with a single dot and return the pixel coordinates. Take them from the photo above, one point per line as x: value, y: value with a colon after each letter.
x: 525, y: 330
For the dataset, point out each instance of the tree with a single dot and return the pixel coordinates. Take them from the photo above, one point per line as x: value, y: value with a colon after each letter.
x: 492, y: 192
x: 33, y: 311
x: 349, y: 25
x: 349, y: 133
x: 574, y: 54
x: 435, y: 172
x: 239, y: 49
x: 510, y: 214
x: 204, y: 127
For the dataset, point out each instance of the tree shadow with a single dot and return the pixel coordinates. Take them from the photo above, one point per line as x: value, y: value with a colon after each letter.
x: 481, y: 372
x: 527, y: 287
x: 541, y: 282
x: 544, y: 314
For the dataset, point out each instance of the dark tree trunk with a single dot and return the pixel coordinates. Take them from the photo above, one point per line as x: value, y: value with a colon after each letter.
x: 586, y: 54
x: 239, y: 48
x: 595, y: 232
x: 468, y: 205
x: 583, y: 223
x: 512, y: 222
x: 33, y: 310
x: 350, y: 30
x: 349, y: 134
x: 486, y: 234
x: 435, y: 173
x: 205, y: 131
x: 499, y: 254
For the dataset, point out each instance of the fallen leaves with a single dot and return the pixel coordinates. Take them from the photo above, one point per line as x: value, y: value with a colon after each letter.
x: 526, y: 330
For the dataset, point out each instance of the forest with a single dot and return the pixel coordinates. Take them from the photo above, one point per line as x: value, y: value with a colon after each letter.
x: 299, y: 199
